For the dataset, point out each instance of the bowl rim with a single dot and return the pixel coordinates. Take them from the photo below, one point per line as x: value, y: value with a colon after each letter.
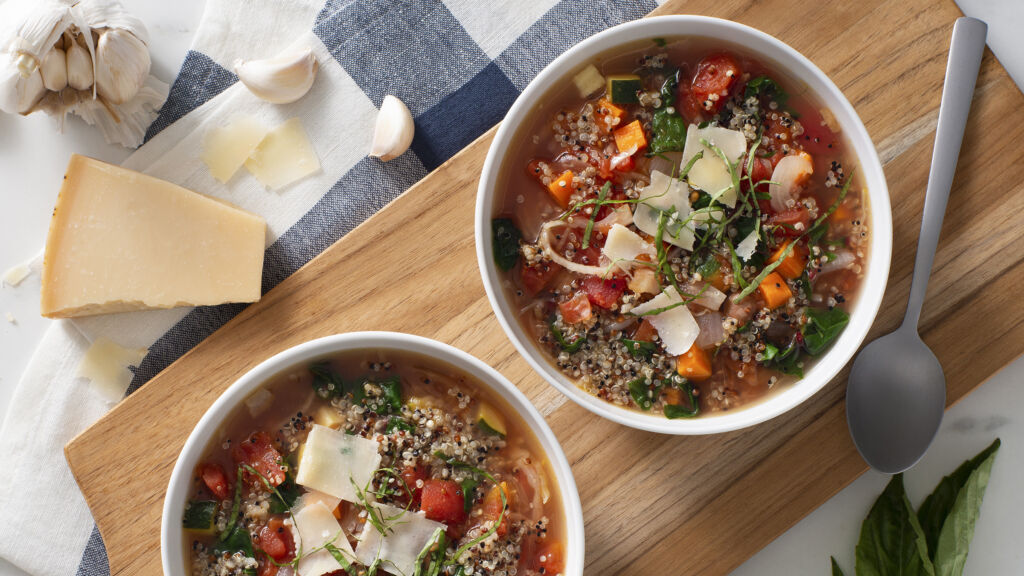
x: 172, y: 538
x: 781, y: 56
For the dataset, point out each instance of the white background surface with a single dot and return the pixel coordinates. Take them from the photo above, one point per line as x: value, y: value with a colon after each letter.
x: 32, y: 161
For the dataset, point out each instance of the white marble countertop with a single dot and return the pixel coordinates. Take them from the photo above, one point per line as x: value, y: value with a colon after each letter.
x: 32, y: 153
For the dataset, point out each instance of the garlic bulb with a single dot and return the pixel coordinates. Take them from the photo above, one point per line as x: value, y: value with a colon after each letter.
x: 282, y: 79
x: 122, y: 65
x: 393, y: 131
x: 87, y: 57
x: 55, y: 70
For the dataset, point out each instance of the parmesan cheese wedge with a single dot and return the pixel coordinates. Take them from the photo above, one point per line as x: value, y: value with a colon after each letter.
x: 332, y: 461
x: 226, y: 148
x: 665, y: 194
x: 284, y: 156
x: 409, y: 533
x: 710, y: 173
x: 676, y: 326
x: 105, y: 365
x: 317, y: 527
x: 120, y: 241
x: 745, y: 249
x: 622, y: 246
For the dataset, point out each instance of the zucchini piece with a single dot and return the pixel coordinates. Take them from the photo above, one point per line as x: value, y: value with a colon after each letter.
x: 588, y: 81
x: 622, y: 88
x: 200, y: 516
x: 490, y: 420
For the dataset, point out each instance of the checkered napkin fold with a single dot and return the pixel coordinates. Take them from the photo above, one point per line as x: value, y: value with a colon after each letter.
x: 458, y: 65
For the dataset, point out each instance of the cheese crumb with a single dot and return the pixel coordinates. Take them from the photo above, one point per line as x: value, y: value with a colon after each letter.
x: 17, y: 274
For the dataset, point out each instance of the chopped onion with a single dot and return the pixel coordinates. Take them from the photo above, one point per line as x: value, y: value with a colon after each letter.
x: 545, y: 245
x: 712, y: 297
x: 666, y: 162
x: 842, y: 260
x: 621, y: 215
x: 712, y: 332
x: 790, y: 173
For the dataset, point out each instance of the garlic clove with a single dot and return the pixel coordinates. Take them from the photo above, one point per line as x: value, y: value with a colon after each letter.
x: 122, y: 65
x: 80, y: 74
x: 30, y: 92
x: 282, y: 79
x: 394, y: 130
x: 55, y: 70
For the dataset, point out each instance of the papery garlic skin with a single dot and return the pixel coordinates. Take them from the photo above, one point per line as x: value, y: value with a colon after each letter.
x: 30, y: 92
x: 393, y: 132
x: 55, y: 70
x: 80, y: 72
x: 280, y: 80
x: 122, y: 65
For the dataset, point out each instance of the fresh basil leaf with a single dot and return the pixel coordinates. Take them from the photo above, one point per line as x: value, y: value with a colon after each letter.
x: 570, y: 347
x: 805, y: 285
x: 640, y: 349
x: 639, y: 391
x: 338, y: 556
x: 958, y: 528
x: 823, y: 328
x: 939, y: 503
x: 891, y: 540
x: 836, y: 570
x: 506, y: 238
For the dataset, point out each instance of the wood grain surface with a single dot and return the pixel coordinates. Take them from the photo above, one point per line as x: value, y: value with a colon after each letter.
x: 681, y: 505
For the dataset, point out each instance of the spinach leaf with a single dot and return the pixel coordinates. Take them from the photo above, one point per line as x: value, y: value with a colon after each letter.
x: 639, y: 391
x: 667, y: 126
x: 326, y: 382
x: 958, y: 529
x: 939, y: 503
x: 891, y: 540
x: 805, y: 285
x: 836, y: 570
x: 674, y: 411
x: 824, y: 327
x: 397, y: 423
x: 763, y: 85
x: 639, y: 348
x: 703, y: 200
x: 785, y: 360
x: 235, y: 540
x: 289, y: 492
x: 469, y: 491
x: 506, y: 239
x: 570, y: 347
x: 392, y: 399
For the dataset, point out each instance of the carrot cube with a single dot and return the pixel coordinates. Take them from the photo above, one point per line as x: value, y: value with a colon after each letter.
x: 630, y: 137
x: 774, y: 290
x: 695, y: 364
x: 561, y: 188
x: 794, y: 264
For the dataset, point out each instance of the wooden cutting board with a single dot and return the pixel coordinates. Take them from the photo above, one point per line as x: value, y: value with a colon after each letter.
x: 681, y: 505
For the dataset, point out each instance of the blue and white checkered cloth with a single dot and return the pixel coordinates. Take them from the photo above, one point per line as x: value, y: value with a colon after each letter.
x: 458, y: 65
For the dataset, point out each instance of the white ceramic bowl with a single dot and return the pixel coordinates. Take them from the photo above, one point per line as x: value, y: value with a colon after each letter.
x: 777, y: 55
x: 171, y: 537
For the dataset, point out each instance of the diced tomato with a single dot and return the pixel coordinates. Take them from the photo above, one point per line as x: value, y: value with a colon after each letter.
x: 215, y: 479
x: 817, y: 138
x: 276, y: 540
x: 624, y: 164
x: 492, y: 507
x: 604, y: 292
x: 791, y: 222
x: 646, y: 332
x: 258, y: 452
x: 410, y: 491
x: 576, y: 309
x: 760, y: 171
x: 551, y: 558
x: 686, y: 104
x: 715, y: 76
x: 535, y: 278
x: 267, y: 568
x: 443, y: 501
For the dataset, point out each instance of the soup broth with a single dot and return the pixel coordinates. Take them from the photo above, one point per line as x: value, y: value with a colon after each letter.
x: 681, y: 227
x: 374, y: 460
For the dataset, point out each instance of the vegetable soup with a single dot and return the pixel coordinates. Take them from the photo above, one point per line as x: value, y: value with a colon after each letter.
x: 681, y: 228
x: 374, y: 461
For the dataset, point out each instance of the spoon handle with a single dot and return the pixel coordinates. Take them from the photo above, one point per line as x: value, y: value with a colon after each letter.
x: 965, y: 51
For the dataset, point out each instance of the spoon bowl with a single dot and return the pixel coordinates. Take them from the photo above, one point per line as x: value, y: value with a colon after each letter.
x: 895, y: 411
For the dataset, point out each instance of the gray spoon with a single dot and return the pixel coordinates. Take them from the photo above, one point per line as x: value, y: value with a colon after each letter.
x: 897, y: 392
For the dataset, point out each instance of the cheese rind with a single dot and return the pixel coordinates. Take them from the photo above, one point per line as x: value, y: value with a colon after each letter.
x: 121, y: 241
x: 335, y: 463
